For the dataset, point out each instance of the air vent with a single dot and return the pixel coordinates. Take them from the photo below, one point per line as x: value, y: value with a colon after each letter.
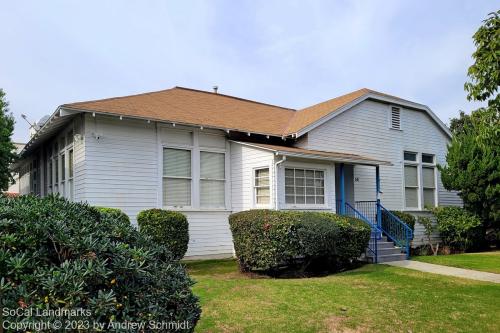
x: 395, y: 118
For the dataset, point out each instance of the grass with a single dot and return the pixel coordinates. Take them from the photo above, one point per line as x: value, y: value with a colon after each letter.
x: 486, y: 261
x: 373, y: 298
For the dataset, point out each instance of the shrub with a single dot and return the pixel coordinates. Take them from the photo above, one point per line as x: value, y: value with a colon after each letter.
x: 115, y: 213
x: 407, y: 218
x: 57, y: 254
x: 166, y: 227
x: 458, y: 228
x: 266, y: 240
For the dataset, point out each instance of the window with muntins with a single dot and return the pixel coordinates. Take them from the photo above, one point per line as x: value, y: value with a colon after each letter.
x: 176, y: 177
x: 261, y: 186
x: 304, y: 187
x: 212, y: 179
x: 421, y: 187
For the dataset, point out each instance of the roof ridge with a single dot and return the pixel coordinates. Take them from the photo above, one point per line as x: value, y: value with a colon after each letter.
x: 234, y: 97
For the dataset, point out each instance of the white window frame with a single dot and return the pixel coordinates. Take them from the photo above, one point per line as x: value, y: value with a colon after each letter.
x: 306, y: 205
x: 224, y: 181
x: 178, y: 147
x: 254, y: 185
x: 418, y: 187
x: 196, y: 148
x: 433, y: 167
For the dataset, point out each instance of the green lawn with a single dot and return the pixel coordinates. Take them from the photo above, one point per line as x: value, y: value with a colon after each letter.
x: 485, y: 261
x: 373, y: 298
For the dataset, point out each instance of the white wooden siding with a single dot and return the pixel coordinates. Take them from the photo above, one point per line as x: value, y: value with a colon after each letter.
x: 79, y: 158
x: 121, y: 166
x: 244, y: 160
x: 365, y: 130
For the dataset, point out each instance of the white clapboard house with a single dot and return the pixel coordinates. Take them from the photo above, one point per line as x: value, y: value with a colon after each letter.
x: 209, y: 155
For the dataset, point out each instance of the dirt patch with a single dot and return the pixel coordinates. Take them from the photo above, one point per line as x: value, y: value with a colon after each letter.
x: 335, y: 324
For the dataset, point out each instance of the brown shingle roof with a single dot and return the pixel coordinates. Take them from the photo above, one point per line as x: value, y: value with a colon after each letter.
x: 197, y: 107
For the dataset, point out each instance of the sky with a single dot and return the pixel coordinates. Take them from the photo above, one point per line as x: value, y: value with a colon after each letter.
x: 290, y: 53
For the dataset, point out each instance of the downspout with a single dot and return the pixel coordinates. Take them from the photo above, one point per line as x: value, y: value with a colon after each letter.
x: 276, y: 164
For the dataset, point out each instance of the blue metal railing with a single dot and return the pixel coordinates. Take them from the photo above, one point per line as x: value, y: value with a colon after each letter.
x: 395, y: 229
x: 375, y: 234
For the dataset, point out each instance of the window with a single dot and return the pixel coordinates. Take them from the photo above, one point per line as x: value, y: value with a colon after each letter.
x: 428, y: 180
x: 411, y: 186
x: 395, y: 118
x: 419, y: 187
x: 55, y: 161
x: 304, y: 187
x: 212, y: 179
x: 62, y: 167
x: 176, y: 177
x: 70, y: 173
x: 427, y: 158
x: 261, y: 185
x: 412, y: 157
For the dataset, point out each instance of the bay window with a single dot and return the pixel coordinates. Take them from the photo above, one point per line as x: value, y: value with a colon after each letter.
x: 176, y: 177
x: 304, y: 187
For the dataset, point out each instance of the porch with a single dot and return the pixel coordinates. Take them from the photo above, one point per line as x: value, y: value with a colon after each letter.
x: 386, y: 227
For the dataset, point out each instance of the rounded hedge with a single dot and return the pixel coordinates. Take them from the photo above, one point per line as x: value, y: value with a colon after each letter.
x: 165, y: 227
x: 115, y: 213
x: 56, y: 254
x: 268, y: 241
x: 458, y: 228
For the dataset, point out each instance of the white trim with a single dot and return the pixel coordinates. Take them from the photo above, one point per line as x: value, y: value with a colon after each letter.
x: 254, y: 188
x: 389, y: 100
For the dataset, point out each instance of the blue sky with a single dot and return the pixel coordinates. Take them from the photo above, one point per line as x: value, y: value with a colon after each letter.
x: 290, y: 53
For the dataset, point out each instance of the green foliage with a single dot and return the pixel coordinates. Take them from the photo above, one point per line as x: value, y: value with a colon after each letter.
x: 266, y: 240
x: 115, y: 213
x: 167, y: 228
x: 407, y: 218
x: 485, y: 72
x: 428, y: 226
x: 56, y: 254
x: 458, y: 228
x: 7, y: 148
x: 473, y: 165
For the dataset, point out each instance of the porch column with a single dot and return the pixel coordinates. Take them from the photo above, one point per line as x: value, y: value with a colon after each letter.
x: 342, y: 190
x: 377, y: 189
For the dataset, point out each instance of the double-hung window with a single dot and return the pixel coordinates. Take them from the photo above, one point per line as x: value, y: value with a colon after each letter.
x: 212, y: 179
x: 261, y: 187
x: 176, y: 177
x: 411, y: 180
x: 304, y: 187
x: 428, y: 180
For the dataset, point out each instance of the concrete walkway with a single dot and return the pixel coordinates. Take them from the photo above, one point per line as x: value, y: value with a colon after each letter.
x: 446, y: 270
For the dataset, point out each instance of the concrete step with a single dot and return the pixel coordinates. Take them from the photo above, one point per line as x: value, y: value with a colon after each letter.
x: 382, y: 245
x: 391, y: 257
x: 387, y: 251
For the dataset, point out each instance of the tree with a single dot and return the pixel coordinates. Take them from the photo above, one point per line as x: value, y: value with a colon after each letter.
x: 485, y: 72
x: 473, y: 158
x: 7, y: 148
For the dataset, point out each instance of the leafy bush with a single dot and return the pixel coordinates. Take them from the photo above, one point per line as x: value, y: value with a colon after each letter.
x: 458, y: 228
x: 57, y: 254
x: 166, y: 227
x: 266, y: 240
x: 407, y: 218
x: 115, y: 213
